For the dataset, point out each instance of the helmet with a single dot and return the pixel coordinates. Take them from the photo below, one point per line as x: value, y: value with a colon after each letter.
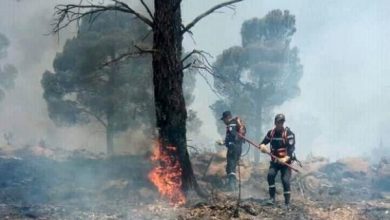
x: 280, y: 117
x: 226, y: 114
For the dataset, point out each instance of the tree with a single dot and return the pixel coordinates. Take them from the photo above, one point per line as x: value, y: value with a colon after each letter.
x: 262, y: 73
x: 167, y: 29
x: 8, y: 72
x: 118, y: 95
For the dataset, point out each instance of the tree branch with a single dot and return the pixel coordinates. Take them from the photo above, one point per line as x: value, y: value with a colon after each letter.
x: 208, y: 12
x: 192, y: 53
x: 202, y: 65
x: 187, y: 66
x: 68, y: 13
x: 200, y: 62
x: 143, y: 50
x: 209, y: 85
x: 138, y: 53
x: 147, y: 9
x: 132, y: 11
x: 94, y: 115
x: 121, y: 57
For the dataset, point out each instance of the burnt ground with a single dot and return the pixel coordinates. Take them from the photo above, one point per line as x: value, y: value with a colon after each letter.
x: 85, y: 186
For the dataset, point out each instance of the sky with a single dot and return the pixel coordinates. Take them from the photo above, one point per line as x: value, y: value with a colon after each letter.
x: 343, y: 106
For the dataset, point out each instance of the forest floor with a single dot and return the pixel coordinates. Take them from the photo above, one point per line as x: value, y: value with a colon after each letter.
x: 40, y: 183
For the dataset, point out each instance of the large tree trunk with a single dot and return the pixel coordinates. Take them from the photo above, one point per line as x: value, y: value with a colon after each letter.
x: 171, y: 112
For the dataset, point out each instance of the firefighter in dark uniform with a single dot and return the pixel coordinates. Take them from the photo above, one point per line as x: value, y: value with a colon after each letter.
x: 233, y: 143
x: 282, y: 141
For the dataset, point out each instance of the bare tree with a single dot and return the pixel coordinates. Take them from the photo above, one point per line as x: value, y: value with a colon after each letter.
x: 168, y: 30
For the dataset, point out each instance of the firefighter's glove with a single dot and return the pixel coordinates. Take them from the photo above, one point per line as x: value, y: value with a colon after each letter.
x: 284, y: 159
x: 220, y: 142
x: 264, y: 148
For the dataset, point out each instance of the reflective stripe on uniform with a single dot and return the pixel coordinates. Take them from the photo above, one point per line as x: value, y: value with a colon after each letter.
x: 288, y: 192
x: 231, y: 127
x: 271, y: 186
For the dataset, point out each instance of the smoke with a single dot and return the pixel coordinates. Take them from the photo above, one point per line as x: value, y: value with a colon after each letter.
x: 344, y: 88
x: 341, y: 110
x: 23, y: 112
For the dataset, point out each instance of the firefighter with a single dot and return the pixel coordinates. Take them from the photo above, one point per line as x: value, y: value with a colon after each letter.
x: 282, y: 145
x: 233, y: 143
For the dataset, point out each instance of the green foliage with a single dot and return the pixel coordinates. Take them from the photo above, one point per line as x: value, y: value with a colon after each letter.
x: 262, y: 73
x: 120, y: 96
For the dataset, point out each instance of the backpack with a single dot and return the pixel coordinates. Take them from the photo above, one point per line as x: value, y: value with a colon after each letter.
x: 284, y: 135
x: 241, y: 128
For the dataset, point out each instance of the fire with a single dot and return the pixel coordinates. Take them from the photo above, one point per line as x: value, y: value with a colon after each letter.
x: 166, y: 176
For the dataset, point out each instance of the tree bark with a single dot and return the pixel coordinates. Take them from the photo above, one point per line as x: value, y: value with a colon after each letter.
x: 171, y: 111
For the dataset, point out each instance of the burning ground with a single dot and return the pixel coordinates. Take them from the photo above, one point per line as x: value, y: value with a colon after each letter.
x: 43, y: 183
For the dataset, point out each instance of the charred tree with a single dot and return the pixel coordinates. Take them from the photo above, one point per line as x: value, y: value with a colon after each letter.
x: 168, y: 30
x: 171, y: 112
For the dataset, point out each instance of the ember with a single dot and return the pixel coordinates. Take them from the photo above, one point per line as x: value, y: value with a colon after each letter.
x: 166, y: 176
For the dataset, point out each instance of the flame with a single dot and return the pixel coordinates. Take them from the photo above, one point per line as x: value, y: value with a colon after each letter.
x: 166, y: 176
